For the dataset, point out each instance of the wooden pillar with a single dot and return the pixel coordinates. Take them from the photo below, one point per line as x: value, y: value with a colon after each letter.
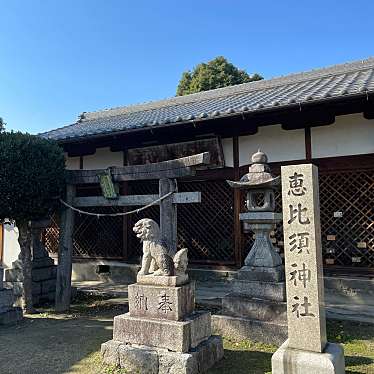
x: 308, y: 144
x: 65, y: 254
x: 168, y: 214
x: 237, y: 206
x: 125, y: 224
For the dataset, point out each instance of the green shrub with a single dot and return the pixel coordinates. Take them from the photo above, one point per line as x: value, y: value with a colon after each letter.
x: 31, y: 176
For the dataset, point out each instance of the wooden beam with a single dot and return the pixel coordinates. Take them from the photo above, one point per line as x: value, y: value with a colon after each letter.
x: 91, y: 176
x: 160, y: 153
x: 167, y: 169
x: 135, y: 200
x: 65, y: 255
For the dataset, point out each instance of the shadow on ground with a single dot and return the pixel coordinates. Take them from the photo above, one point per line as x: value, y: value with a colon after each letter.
x: 52, y: 343
x: 48, y: 346
x: 243, y: 362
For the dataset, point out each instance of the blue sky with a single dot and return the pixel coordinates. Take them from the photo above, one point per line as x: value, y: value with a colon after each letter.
x: 60, y: 58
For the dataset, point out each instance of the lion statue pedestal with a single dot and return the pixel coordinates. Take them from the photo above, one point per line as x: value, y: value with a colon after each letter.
x: 162, y: 333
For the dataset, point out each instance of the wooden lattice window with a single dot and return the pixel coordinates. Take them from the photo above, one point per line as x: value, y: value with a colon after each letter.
x: 206, y: 229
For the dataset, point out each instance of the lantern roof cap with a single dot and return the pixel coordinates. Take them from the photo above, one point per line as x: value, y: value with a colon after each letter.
x: 258, y: 176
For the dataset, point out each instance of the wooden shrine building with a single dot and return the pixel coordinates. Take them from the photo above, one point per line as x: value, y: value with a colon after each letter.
x: 324, y: 116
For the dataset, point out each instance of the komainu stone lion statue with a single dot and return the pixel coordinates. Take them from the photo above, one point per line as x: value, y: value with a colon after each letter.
x: 156, y: 255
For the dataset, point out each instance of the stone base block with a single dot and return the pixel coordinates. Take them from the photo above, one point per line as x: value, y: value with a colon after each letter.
x: 238, y: 328
x: 161, y: 302
x: 236, y: 305
x: 11, y: 316
x: 13, y: 274
x: 262, y: 274
x: 262, y: 290
x: 160, y: 280
x: 149, y: 360
x: 177, y: 336
x: 6, y: 300
x: 293, y: 361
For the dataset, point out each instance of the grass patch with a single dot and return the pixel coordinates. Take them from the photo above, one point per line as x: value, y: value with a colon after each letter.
x: 244, y: 357
x: 357, y: 339
x: 358, y: 342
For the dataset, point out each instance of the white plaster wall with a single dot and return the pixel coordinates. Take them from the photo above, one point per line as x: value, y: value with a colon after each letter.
x: 228, y: 152
x: 103, y: 158
x: 349, y: 135
x: 72, y: 163
x: 278, y: 144
x: 11, y: 246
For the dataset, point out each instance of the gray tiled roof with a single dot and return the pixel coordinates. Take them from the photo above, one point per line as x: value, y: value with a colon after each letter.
x: 316, y: 85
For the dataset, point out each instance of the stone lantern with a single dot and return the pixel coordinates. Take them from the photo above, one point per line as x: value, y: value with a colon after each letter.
x: 255, y: 309
x: 262, y: 261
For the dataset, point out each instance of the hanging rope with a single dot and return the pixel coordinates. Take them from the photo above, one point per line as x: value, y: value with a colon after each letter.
x: 135, y: 211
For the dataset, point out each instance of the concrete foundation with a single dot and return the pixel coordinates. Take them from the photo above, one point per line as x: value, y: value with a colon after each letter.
x: 237, y: 305
x: 239, y: 328
x: 256, y: 307
x: 293, y: 361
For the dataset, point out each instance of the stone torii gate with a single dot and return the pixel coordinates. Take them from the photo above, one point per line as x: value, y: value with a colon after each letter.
x: 166, y: 172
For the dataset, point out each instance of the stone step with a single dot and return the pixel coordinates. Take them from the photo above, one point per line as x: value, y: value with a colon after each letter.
x: 176, y: 336
x: 263, y: 274
x: 263, y: 310
x: 262, y: 290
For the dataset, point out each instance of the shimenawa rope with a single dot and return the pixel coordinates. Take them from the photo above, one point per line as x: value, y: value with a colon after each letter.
x: 135, y: 211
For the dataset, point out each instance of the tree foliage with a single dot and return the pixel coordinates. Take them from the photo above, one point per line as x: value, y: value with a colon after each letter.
x: 2, y: 125
x: 213, y: 74
x: 31, y: 180
x: 31, y: 176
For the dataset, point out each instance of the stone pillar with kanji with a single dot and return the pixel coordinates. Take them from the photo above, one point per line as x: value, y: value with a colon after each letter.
x: 162, y: 332
x: 307, y: 349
